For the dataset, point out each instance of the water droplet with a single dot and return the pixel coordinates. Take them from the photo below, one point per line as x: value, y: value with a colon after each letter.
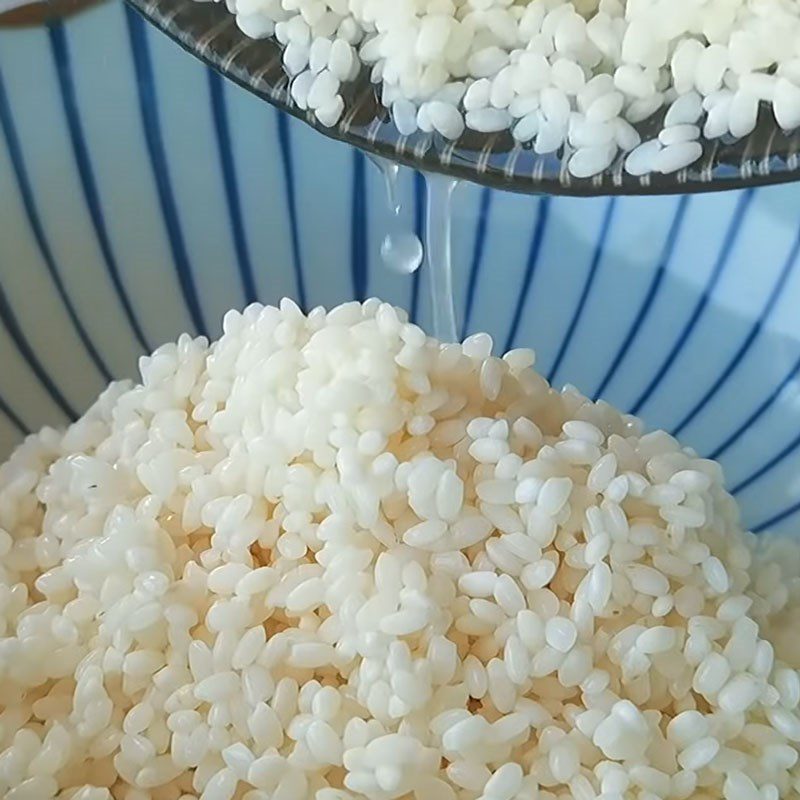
x: 402, y: 252
x: 401, y: 249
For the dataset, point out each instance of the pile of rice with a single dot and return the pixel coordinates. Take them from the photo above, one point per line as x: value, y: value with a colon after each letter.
x: 567, y: 77
x: 327, y: 557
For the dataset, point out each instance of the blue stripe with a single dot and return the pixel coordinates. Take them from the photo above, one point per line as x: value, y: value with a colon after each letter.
x: 650, y: 296
x: 358, y: 228
x: 26, y: 351
x: 420, y: 205
x: 285, y: 144
x: 13, y: 418
x: 719, y: 267
x: 749, y: 339
x: 748, y: 423
x: 776, y: 459
x: 477, y: 256
x: 158, y: 161
x: 222, y: 131
x: 597, y: 257
x: 32, y: 214
x: 62, y: 58
x: 530, y: 268
x: 779, y: 517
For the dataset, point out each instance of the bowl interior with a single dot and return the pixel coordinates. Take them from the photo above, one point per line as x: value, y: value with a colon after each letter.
x: 147, y: 197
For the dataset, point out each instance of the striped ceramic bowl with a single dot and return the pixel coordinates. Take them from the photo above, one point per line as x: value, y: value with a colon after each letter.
x: 141, y: 196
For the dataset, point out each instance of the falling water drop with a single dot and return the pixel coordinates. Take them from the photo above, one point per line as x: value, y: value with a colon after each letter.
x: 401, y: 249
x: 402, y: 252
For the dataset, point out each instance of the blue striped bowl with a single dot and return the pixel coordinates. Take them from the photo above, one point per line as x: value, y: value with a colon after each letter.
x: 140, y: 196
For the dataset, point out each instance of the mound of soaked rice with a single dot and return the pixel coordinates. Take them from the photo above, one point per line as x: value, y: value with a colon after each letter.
x: 328, y: 557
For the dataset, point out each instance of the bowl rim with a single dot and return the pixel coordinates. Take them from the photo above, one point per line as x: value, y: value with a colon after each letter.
x: 43, y: 12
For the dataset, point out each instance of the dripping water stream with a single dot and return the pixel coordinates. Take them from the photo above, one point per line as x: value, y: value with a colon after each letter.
x: 402, y: 251
x: 439, y: 261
